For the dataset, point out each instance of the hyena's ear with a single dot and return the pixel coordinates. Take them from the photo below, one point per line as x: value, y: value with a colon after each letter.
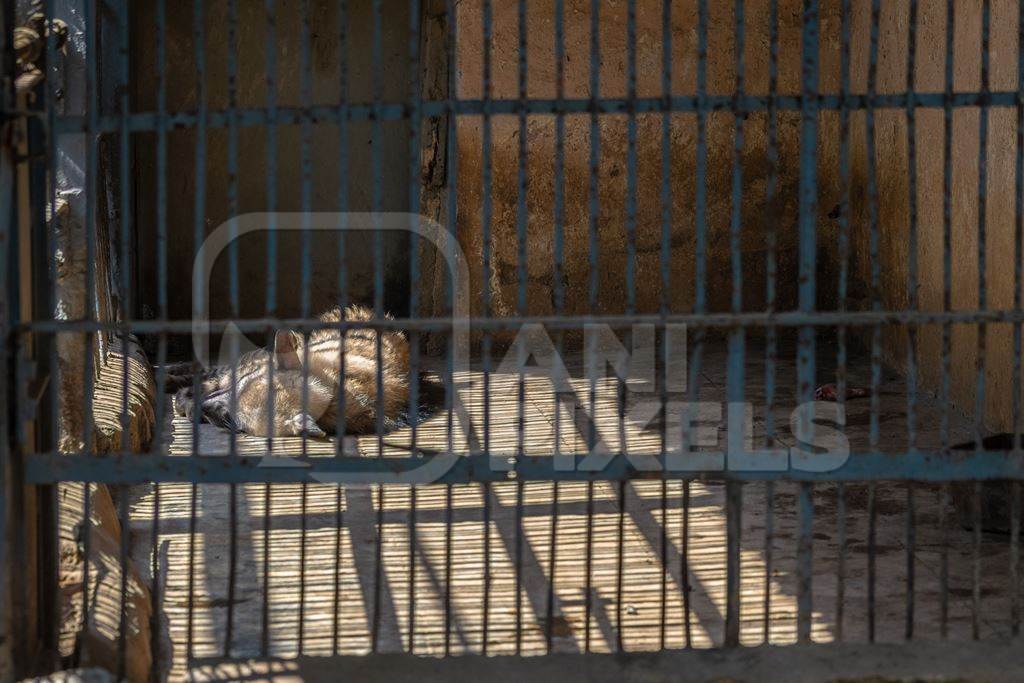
x: 288, y: 349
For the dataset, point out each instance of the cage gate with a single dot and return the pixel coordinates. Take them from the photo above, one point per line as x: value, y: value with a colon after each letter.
x: 650, y: 327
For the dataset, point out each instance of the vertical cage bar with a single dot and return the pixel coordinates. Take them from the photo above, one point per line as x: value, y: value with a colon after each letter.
x: 342, y: 204
x: 341, y: 28
x: 701, y: 200
x: 89, y: 21
x: 160, y: 49
x: 808, y: 194
x: 415, y: 105
x: 522, y: 223
x: 943, y: 562
x: 631, y: 189
x: 122, y: 628
x: 735, y: 382
x: 947, y: 304
x: 377, y: 162
x: 620, y: 533
x: 559, y: 294
x: 339, y: 519
x: 872, y: 570
x: 734, y: 528
x: 306, y: 203
x: 979, y: 392
x: 306, y: 166
x: 840, y: 562
x: 910, y: 535
x: 486, y: 217
x: 1015, y: 513
x: 40, y: 154
x: 976, y: 561
x: 912, y: 268
x: 53, y: 71
x: 910, y: 540
x: 664, y: 261
x: 771, y: 298
x: 451, y: 215
x: 593, y: 260
x: 8, y: 223
x: 872, y: 191
x: 377, y: 198
x: 1018, y: 271
x: 700, y: 275
x: 233, y: 280
x: 684, y: 562
x: 199, y: 201
x: 42, y: 179
x: 844, y: 272
x: 199, y: 48
x: 449, y: 504
x: 270, y: 67
x: 125, y: 295
x: 233, y: 283
x: 980, y: 357
x: 631, y: 158
x: 804, y: 563
x: 876, y: 334
x: 92, y: 185
x: 156, y: 596
x: 947, y: 219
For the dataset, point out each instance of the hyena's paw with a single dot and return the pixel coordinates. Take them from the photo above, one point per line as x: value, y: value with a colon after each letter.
x: 303, y: 422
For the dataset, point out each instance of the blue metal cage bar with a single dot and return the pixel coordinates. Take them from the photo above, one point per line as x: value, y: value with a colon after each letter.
x: 114, y: 120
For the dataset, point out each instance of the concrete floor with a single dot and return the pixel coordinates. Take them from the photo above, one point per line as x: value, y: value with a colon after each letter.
x: 327, y: 591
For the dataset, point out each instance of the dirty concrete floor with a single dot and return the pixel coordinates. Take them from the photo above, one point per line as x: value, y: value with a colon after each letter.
x: 309, y: 578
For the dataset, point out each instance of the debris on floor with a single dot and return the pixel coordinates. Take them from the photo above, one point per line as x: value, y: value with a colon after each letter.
x: 830, y: 392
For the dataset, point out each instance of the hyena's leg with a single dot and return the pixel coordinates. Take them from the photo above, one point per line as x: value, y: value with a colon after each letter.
x: 183, y: 401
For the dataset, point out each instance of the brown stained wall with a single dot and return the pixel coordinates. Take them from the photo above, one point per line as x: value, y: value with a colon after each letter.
x: 894, y: 205
x: 757, y: 217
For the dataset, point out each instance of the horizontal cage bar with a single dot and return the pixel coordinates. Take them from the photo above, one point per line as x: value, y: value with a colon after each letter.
x: 745, y: 104
x: 126, y: 467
